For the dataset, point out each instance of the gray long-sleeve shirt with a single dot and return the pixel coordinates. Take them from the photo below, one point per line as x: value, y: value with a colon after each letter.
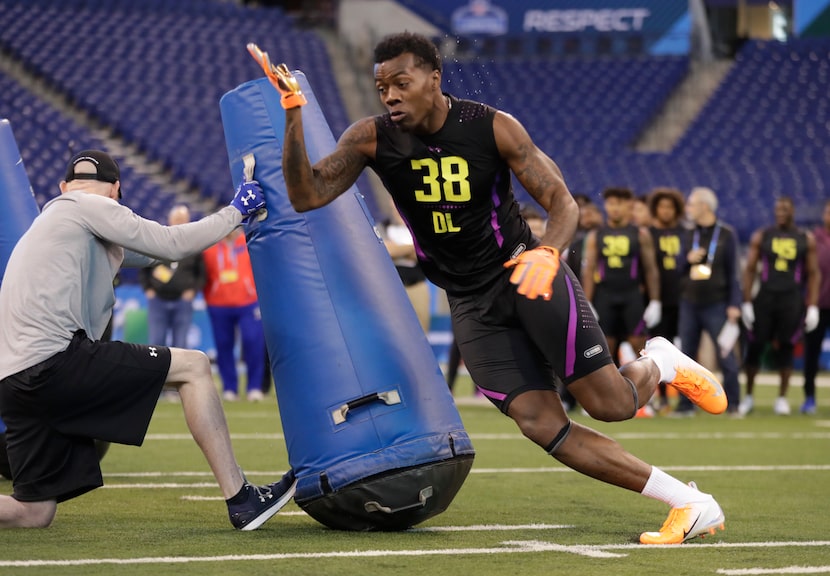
x: 59, y: 276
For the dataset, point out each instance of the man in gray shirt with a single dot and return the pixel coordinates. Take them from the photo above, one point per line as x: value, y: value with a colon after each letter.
x: 61, y: 387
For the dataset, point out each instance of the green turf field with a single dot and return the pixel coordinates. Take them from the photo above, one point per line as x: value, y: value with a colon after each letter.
x: 519, y: 512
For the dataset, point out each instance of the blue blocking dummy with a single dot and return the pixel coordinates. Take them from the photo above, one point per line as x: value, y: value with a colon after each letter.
x: 18, y: 210
x: 372, y: 432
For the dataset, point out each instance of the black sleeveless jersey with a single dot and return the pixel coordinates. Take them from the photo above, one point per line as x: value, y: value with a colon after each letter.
x: 783, y: 259
x: 454, y: 191
x: 667, y: 243
x: 618, y: 258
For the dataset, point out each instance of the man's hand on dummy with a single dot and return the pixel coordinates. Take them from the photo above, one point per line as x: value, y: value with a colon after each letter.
x: 281, y: 77
x: 534, y: 271
x: 249, y: 199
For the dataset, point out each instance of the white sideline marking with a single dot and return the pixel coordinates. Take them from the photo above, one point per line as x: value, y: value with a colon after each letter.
x: 752, y: 468
x: 540, y: 470
x: 787, y: 570
x: 491, y: 527
x: 788, y: 544
x: 508, y: 547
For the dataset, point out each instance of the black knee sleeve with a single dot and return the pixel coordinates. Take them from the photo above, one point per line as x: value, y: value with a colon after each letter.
x: 560, y: 437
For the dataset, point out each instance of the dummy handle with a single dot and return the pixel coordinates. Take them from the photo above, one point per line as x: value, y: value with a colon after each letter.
x: 389, y: 397
x: 248, y: 165
x: 423, y: 496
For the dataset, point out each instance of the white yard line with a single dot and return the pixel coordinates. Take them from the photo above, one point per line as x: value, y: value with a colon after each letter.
x: 786, y: 570
x: 507, y: 547
x: 540, y: 470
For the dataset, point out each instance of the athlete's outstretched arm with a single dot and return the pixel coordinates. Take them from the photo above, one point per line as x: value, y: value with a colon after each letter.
x: 540, y: 176
x: 311, y: 187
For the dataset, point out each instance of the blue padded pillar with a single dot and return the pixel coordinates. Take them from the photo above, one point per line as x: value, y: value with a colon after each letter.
x: 371, y: 427
x: 18, y: 210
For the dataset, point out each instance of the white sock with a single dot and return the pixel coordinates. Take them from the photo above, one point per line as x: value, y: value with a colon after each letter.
x: 670, y: 490
x: 664, y: 363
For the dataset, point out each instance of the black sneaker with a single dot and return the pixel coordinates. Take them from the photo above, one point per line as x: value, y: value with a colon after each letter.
x: 262, y: 502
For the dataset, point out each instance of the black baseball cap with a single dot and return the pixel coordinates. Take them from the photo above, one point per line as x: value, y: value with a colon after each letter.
x: 106, y: 168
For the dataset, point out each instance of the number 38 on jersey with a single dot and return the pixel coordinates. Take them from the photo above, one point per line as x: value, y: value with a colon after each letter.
x: 446, y: 181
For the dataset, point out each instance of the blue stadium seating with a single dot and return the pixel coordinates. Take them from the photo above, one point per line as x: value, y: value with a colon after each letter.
x: 155, y: 71
x: 764, y: 133
x: 586, y: 114
x: 47, y: 140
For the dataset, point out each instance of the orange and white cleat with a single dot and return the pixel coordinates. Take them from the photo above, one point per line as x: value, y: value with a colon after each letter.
x: 691, y: 379
x: 645, y: 411
x: 687, y: 522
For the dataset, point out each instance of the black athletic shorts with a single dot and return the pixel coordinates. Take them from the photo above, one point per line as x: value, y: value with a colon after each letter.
x: 620, y: 312
x: 779, y: 317
x: 511, y: 344
x: 55, y: 410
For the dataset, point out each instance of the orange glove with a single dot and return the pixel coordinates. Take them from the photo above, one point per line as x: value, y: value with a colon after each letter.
x: 281, y: 77
x: 534, y: 271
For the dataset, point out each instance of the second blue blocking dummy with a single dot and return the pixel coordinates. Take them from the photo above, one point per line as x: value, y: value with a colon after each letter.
x: 18, y: 209
x: 372, y: 431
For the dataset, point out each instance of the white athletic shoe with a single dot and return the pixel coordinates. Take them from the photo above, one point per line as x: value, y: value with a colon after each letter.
x: 255, y: 396
x: 746, y: 405
x: 687, y: 522
x: 781, y: 406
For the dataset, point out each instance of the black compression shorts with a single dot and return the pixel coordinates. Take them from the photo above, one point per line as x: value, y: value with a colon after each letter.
x: 511, y: 344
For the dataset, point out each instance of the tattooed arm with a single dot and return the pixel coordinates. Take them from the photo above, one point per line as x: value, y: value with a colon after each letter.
x: 311, y: 187
x: 540, y: 176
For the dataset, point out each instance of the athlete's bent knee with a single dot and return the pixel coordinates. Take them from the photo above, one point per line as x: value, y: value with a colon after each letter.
x: 187, y: 365
x: 611, y: 403
x: 608, y: 409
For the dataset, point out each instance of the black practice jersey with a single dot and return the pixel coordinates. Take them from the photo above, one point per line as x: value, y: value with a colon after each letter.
x: 454, y: 191
x: 667, y: 245
x: 618, y: 258
x: 783, y: 259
